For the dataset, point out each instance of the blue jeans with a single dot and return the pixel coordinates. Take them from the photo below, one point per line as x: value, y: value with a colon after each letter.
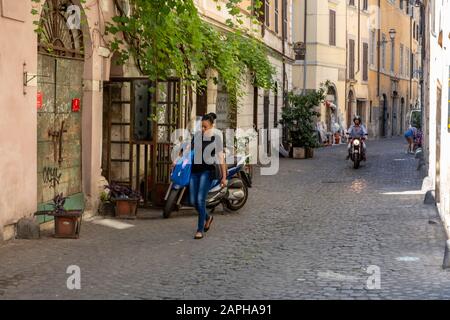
x: 198, y: 191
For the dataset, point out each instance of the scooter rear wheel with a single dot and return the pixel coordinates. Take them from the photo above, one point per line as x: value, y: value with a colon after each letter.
x: 170, y: 203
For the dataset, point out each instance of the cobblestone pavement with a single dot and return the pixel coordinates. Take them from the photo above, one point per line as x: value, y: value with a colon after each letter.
x: 311, y: 232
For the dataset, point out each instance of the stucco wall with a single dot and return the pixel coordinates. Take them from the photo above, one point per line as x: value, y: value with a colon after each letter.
x: 18, y: 121
x: 323, y: 62
x: 392, y: 17
x: 18, y: 113
x: 439, y: 77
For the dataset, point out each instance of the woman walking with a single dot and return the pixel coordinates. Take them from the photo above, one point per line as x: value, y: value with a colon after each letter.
x: 209, y: 155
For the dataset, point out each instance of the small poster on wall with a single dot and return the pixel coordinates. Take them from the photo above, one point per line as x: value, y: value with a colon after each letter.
x: 40, y: 100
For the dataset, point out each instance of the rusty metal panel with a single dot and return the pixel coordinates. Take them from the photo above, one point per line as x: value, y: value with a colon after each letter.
x: 69, y: 86
x: 59, y: 129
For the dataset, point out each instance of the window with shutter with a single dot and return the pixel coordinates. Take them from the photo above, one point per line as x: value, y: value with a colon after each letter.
x: 383, y: 52
x: 351, y: 58
x: 332, y: 31
x: 276, y: 16
x: 267, y: 12
x: 402, y: 60
x: 365, y: 61
x: 392, y: 56
x: 284, y: 15
x: 372, y: 47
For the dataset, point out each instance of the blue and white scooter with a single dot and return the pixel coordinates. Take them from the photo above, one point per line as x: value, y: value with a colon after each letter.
x: 233, y: 196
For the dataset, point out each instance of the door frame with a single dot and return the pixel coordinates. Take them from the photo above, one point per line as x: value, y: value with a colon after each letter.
x: 437, y: 191
x: 76, y: 47
x: 384, y: 118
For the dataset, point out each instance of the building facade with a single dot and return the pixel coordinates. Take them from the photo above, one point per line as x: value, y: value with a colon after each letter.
x: 257, y: 108
x: 51, y: 102
x: 437, y: 105
x: 394, y: 59
x: 358, y: 53
x: 319, y: 35
x: 67, y: 107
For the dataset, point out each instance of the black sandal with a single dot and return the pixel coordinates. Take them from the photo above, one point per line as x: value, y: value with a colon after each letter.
x: 208, y: 223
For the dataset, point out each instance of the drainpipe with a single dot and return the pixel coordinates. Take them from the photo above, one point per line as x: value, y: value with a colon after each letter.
x: 306, y: 50
x: 411, y: 72
x: 379, y: 51
x: 283, y: 37
x: 422, y: 58
x: 346, y: 63
x: 359, y: 36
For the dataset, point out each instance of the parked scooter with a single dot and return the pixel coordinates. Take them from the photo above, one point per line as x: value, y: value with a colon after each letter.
x: 234, y: 196
x: 418, y: 140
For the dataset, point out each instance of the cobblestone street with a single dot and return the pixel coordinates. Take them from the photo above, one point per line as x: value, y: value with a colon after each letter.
x: 310, y: 232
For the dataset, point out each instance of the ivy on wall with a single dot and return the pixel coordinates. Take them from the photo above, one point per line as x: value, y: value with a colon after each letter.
x: 169, y: 38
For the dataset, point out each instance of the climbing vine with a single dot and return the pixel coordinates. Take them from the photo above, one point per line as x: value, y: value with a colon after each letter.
x: 169, y: 38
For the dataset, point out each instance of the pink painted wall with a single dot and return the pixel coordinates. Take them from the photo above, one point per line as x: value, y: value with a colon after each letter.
x: 18, y: 119
x: 18, y: 112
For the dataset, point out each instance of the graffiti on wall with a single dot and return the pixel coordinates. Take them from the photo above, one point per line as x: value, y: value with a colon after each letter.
x: 51, y: 177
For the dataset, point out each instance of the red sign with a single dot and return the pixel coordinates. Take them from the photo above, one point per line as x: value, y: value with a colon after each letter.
x: 40, y: 100
x: 76, y: 105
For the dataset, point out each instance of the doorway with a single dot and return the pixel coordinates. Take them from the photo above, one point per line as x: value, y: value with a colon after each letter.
x: 402, y: 115
x: 394, y: 115
x: 361, y: 110
x: 350, y: 109
x: 137, y: 145
x: 59, y: 115
x: 384, y: 117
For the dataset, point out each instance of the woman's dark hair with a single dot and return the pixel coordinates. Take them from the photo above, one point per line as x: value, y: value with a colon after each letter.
x: 211, y: 117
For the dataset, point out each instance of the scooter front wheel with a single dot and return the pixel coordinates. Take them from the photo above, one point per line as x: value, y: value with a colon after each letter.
x: 170, y: 203
x: 237, y: 195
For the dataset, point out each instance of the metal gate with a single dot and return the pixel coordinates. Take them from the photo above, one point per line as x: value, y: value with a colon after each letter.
x: 139, y: 119
x: 60, y: 92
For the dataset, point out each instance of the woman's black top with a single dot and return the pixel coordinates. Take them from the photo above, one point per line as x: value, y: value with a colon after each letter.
x: 209, y: 155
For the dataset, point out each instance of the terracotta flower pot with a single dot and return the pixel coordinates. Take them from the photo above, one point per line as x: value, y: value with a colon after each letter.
x: 106, y: 209
x: 126, y: 208
x: 68, y: 224
x: 298, y: 153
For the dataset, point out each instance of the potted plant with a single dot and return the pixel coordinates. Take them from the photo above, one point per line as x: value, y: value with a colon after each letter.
x: 106, y: 207
x: 125, y: 200
x: 67, y: 222
x: 298, y: 117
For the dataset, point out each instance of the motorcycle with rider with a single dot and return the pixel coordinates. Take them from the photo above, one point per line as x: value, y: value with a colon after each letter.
x: 357, y: 135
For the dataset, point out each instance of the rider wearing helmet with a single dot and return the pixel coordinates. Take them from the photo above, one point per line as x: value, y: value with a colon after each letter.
x: 357, y: 130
